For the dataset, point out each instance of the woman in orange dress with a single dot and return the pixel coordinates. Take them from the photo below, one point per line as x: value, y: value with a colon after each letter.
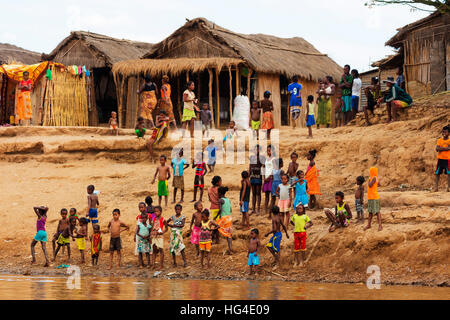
x: 23, y: 105
x: 311, y: 177
x: 148, y: 101
x: 165, y: 103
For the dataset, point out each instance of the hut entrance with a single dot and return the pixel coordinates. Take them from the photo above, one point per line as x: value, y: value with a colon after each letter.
x: 105, y: 93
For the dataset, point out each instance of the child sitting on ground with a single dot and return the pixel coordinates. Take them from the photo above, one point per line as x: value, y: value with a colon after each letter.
x: 253, y: 249
x: 159, y: 227
x: 231, y: 131
x: 176, y: 222
x: 81, y: 235
x: 373, y: 198
x: 310, y: 120
x: 163, y: 173
x: 196, y: 223
x: 96, y: 244
x: 143, y: 239
x: 140, y: 128
x: 62, y: 224
x: 199, y: 178
x: 41, y: 234
x: 159, y: 132
x: 115, y: 244
x: 64, y: 238
x: 359, y: 199
x: 205, y: 237
x: 274, y: 244
x: 244, y: 199
x: 340, y: 215
x: 113, y: 127
x: 301, y: 222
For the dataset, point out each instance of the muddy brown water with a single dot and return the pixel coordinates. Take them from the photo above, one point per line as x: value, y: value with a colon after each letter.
x: 100, y: 288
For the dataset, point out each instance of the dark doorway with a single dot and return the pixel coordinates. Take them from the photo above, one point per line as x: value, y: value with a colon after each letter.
x: 105, y: 93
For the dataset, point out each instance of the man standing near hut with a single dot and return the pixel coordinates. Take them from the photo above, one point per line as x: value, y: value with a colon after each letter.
x: 148, y: 101
x: 295, y: 100
x: 165, y: 103
x: 346, y: 84
x: 23, y: 105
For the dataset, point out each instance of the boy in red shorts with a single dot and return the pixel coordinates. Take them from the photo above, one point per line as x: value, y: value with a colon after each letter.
x: 301, y: 222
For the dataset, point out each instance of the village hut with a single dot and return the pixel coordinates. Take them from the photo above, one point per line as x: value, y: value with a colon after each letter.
x: 12, y: 54
x: 223, y: 64
x: 424, y: 47
x: 97, y: 53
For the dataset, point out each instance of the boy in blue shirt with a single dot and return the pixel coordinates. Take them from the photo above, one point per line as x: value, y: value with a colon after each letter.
x: 178, y: 164
x: 295, y: 100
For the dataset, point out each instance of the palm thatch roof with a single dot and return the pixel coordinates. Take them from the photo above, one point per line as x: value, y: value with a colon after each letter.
x: 106, y: 49
x: 262, y: 53
x: 155, y: 67
x: 10, y: 53
x: 390, y: 62
x: 395, y: 41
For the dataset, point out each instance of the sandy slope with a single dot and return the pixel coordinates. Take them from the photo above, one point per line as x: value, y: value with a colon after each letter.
x: 53, y: 167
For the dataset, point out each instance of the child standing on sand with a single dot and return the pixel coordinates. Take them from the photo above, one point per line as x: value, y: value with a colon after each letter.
x: 225, y: 221
x: 301, y: 222
x: 284, y: 199
x: 277, y: 172
x: 268, y: 179
x: 311, y: 176
x: 149, y: 207
x: 443, y: 166
x: 200, y: 170
x: 253, y: 249
x: 267, y: 108
x: 93, y: 203
x: 143, y: 239
x: 62, y: 224
x: 301, y: 190
x: 159, y: 227
x: 64, y: 238
x: 96, y: 244
x: 205, y: 241
x: 256, y: 119
x: 73, y: 213
x: 206, y: 117
x: 81, y: 235
x: 244, y: 199
x: 340, y: 215
x: 295, y: 100
x: 115, y: 244
x: 142, y: 209
x: 177, y: 222
x: 163, y: 173
x: 274, y: 244
x: 212, y: 155
x: 373, y: 198
x: 310, y: 120
x: 359, y: 199
x: 254, y: 169
x: 196, y: 223
x: 178, y: 165
x: 41, y: 234
x: 113, y: 127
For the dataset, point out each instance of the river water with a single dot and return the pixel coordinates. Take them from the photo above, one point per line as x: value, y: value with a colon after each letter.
x: 100, y: 288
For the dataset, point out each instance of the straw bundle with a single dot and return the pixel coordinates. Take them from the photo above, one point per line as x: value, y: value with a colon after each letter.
x: 65, y: 101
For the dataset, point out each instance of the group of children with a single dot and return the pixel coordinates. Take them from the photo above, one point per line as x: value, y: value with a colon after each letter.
x: 295, y: 190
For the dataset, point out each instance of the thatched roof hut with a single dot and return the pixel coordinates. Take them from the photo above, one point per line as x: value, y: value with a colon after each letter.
x: 98, y: 53
x: 425, y: 46
x: 222, y: 60
x: 10, y: 53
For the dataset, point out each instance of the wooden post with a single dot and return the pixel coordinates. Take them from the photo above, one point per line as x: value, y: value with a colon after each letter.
x: 179, y: 98
x: 210, y: 96
x: 238, y: 78
x: 187, y: 76
x: 199, y: 91
x: 248, y: 83
x: 231, y: 92
x: 217, y: 99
